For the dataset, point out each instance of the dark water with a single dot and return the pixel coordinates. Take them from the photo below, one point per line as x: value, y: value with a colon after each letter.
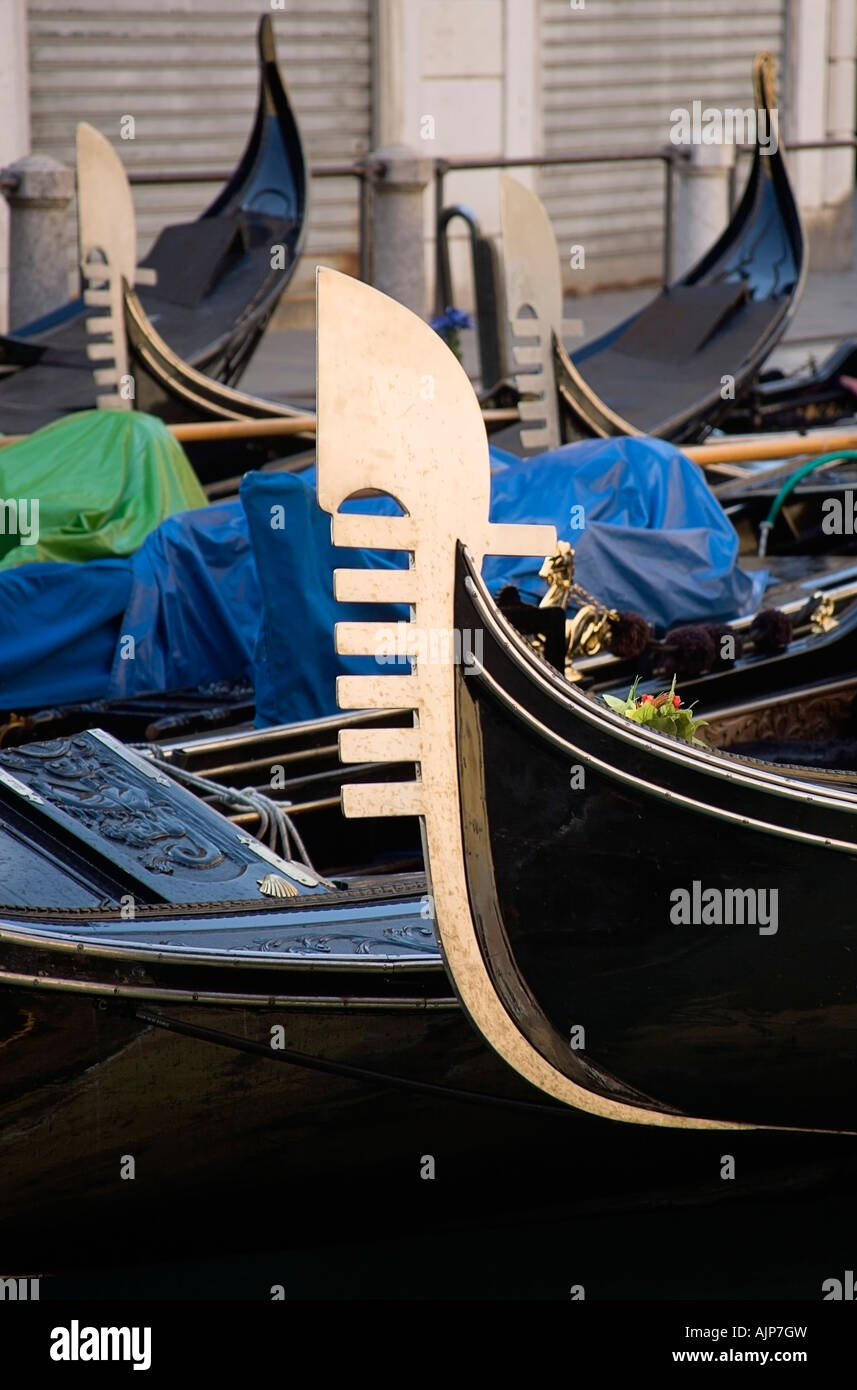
x: 778, y: 1247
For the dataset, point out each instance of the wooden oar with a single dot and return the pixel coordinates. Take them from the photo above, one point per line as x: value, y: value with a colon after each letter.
x: 746, y: 449
x: 758, y: 447
x: 244, y: 429
x: 730, y: 453
x: 743, y: 449
x: 501, y: 415
x: 275, y: 426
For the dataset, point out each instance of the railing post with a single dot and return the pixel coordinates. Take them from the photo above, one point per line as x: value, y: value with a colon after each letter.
x: 669, y: 201
x: 38, y: 236
x: 366, y: 178
x: 399, y: 268
x: 701, y: 204
x: 733, y: 184
x: 439, y: 174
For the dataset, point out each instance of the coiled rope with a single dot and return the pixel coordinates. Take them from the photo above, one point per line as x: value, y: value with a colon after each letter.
x: 276, y: 828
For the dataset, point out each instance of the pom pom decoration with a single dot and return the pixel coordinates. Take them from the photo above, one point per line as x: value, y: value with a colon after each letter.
x: 689, y: 650
x: 771, y: 631
x: 630, y: 635
x: 508, y: 596
x: 728, y: 646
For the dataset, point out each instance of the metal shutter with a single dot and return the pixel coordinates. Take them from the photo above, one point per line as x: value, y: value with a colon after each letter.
x: 611, y: 74
x: 186, y: 71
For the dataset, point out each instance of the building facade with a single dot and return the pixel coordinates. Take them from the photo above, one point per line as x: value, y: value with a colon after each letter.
x: 452, y: 78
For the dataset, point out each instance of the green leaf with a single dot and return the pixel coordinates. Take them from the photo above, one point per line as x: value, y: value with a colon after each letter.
x: 664, y: 718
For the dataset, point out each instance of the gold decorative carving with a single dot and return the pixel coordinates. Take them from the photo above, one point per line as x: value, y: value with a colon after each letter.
x: 819, y: 716
x: 822, y: 617
x: 589, y: 629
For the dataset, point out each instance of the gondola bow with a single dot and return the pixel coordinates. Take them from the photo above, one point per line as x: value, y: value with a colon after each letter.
x: 555, y: 906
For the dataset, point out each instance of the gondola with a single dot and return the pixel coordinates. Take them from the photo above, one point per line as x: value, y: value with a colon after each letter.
x: 645, y: 929
x: 126, y: 337
x: 663, y: 371
x: 535, y: 300
x: 695, y: 1025
x: 217, y: 280
x: 172, y: 1034
x: 806, y: 400
x: 203, y: 1040
x: 147, y: 946
x: 201, y: 1032
x: 796, y: 510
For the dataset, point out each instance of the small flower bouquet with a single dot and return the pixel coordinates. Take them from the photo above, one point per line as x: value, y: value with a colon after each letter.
x: 664, y: 713
x: 448, y: 324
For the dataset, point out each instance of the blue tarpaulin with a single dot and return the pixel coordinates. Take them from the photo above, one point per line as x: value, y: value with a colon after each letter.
x: 59, y: 626
x: 245, y: 588
x: 183, y: 611
x: 654, y: 538
x: 296, y: 665
x: 194, y: 607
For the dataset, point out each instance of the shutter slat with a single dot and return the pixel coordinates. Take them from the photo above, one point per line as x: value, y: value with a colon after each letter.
x: 186, y: 71
x: 611, y: 74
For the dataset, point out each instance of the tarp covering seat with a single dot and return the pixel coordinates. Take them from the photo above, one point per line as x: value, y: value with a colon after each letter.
x: 654, y: 537
x: 101, y: 481
x: 183, y: 611
x: 245, y: 588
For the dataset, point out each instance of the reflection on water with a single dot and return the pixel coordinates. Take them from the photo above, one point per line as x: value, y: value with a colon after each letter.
x: 782, y: 1248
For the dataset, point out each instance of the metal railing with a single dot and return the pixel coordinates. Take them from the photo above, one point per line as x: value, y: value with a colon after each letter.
x: 667, y: 155
x: 845, y: 143
x: 368, y: 171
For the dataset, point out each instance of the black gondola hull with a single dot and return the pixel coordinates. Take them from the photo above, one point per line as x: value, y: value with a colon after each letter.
x: 231, y: 1149
x: 586, y: 847
x: 243, y: 251
x: 677, y: 366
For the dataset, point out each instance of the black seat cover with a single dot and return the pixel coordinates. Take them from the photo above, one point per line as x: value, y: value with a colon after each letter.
x: 681, y: 320
x: 191, y: 257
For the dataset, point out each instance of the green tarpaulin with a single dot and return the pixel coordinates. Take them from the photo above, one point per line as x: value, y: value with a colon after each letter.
x: 91, y: 486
